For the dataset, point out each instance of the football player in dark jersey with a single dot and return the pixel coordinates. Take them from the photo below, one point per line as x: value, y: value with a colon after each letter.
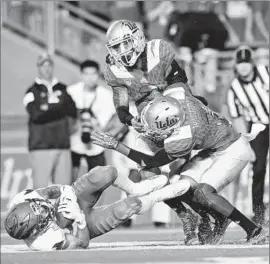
x: 190, y: 125
x: 140, y: 70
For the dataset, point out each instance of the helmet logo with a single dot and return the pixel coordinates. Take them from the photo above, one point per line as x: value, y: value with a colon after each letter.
x: 169, y: 122
x: 132, y: 26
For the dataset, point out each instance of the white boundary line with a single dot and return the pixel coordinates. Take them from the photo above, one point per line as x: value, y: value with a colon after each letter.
x: 136, y: 246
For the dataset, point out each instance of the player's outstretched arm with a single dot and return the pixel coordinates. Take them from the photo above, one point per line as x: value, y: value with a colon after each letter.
x: 107, y: 141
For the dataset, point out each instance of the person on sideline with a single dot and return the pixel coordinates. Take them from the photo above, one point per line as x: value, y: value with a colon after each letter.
x: 95, y: 108
x: 49, y: 107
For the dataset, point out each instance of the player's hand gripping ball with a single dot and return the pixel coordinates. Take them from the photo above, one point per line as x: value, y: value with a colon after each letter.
x: 67, y: 195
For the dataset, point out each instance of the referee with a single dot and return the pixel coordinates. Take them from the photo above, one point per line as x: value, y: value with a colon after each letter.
x: 248, y: 103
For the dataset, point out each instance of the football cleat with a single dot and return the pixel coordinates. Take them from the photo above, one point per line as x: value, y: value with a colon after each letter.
x: 189, y: 221
x: 258, y: 236
x: 220, y: 228
x: 205, y: 232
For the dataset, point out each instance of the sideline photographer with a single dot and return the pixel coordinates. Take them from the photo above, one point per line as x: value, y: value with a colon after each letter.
x: 95, y: 108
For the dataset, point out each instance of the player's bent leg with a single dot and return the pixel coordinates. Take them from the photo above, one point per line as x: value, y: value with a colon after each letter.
x: 90, y: 186
x: 216, y: 202
x: 103, y: 219
x: 140, y: 188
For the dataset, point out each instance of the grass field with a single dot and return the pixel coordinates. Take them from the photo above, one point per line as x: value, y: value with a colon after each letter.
x: 142, y: 246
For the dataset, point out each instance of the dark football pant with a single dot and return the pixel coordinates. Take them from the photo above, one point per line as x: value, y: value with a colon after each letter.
x: 102, y: 219
x: 260, y: 145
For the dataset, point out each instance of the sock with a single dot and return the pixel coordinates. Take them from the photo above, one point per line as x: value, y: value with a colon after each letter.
x: 208, y: 198
x: 167, y: 192
x: 242, y: 221
x: 220, y: 204
x: 176, y: 205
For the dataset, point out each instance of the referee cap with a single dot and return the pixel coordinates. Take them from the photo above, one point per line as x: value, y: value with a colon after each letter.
x: 43, y: 57
x: 244, y: 54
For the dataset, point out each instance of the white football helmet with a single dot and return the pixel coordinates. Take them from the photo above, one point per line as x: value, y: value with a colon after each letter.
x: 125, y: 42
x: 163, y: 114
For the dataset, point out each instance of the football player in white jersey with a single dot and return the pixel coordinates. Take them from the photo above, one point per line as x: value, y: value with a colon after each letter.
x: 33, y: 218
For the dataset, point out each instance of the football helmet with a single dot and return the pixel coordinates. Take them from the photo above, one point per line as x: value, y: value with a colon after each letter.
x: 125, y: 42
x: 28, y: 218
x: 163, y: 115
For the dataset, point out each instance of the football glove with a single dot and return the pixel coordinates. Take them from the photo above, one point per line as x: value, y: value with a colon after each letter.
x: 71, y: 210
x: 104, y: 140
x: 67, y: 193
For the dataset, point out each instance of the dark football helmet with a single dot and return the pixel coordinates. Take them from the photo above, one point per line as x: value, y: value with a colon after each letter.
x: 28, y: 218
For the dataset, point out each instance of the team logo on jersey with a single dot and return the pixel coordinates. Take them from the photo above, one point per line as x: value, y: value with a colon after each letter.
x: 169, y: 122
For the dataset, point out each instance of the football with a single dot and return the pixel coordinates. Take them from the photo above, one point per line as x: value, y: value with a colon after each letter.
x: 62, y: 221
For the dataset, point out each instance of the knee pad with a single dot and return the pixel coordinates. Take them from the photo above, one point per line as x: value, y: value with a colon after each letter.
x: 127, y: 207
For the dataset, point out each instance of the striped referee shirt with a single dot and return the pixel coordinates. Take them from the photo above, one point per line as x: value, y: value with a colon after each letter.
x: 251, y: 99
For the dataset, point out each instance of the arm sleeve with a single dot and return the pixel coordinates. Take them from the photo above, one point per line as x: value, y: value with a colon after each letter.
x: 159, y: 159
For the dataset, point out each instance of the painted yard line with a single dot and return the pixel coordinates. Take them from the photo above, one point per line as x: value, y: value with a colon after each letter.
x: 214, y: 260
x: 136, y: 246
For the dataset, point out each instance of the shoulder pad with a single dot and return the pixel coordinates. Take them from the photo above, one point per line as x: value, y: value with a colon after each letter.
x: 180, y: 143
